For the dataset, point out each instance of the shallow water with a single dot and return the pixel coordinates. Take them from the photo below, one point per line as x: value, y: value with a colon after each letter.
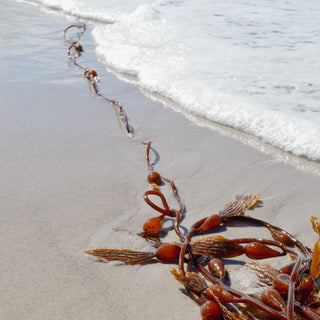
x: 252, y: 65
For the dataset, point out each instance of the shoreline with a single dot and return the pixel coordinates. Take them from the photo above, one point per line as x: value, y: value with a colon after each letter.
x: 298, y: 161
x: 71, y: 176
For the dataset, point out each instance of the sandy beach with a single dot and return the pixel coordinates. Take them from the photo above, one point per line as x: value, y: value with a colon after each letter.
x: 70, y: 176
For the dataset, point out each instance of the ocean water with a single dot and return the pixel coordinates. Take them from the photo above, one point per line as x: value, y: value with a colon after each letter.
x: 253, y: 65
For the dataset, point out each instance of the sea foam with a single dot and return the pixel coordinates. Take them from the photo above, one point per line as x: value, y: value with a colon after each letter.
x: 252, y: 65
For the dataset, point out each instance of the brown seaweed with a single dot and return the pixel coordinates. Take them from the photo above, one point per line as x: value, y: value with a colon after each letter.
x: 74, y: 51
x: 288, y: 293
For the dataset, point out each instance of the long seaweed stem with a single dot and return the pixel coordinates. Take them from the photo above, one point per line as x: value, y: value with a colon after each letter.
x: 195, y: 268
x: 91, y: 75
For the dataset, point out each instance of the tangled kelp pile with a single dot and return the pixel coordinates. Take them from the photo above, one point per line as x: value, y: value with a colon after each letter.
x: 289, y: 292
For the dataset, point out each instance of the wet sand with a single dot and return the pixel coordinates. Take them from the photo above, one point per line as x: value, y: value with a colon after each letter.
x: 70, y: 175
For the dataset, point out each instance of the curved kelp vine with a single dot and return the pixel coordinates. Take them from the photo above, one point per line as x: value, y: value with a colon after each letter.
x: 289, y: 292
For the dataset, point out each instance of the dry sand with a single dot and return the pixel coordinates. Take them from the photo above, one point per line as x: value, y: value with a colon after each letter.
x: 69, y: 175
